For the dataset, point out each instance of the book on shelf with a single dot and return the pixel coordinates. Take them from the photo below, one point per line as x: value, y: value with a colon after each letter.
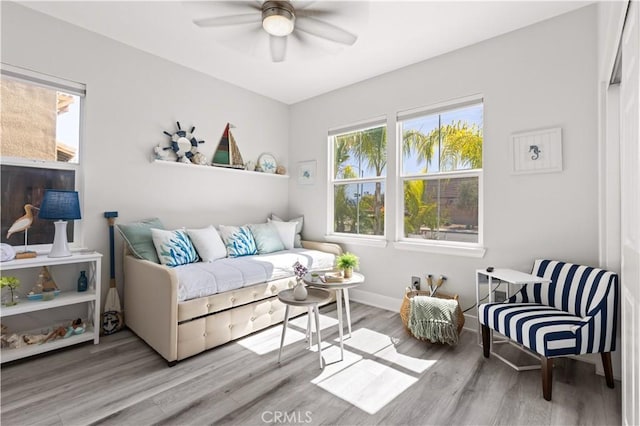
x: 332, y: 277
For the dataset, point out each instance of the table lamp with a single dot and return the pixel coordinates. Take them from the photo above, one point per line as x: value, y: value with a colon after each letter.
x: 60, y: 206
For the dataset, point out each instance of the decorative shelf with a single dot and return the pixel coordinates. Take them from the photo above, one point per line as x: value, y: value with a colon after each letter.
x: 220, y: 169
x: 63, y: 299
x: 68, y: 296
x: 13, y: 354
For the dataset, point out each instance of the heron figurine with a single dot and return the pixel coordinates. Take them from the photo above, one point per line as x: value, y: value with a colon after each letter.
x: 23, y: 224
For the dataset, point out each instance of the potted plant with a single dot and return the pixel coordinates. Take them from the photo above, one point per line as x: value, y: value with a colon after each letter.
x: 347, y: 262
x: 12, y: 283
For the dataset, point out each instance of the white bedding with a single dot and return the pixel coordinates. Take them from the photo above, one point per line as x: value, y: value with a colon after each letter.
x: 204, y: 279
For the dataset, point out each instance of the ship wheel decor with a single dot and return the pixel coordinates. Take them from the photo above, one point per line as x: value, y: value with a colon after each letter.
x: 184, y: 144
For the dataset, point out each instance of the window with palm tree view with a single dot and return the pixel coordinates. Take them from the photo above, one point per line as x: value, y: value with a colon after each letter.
x: 358, y: 180
x: 440, y: 173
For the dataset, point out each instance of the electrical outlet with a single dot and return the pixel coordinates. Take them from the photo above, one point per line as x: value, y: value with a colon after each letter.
x: 415, y: 282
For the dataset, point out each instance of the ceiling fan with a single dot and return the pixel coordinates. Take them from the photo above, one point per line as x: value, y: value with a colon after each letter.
x: 281, y: 19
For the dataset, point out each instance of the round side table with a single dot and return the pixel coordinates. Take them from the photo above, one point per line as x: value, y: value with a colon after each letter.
x: 341, y: 289
x: 315, y: 296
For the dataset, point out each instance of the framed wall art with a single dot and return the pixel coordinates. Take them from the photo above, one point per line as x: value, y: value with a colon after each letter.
x: 307, y: 172
x: 539, y: 151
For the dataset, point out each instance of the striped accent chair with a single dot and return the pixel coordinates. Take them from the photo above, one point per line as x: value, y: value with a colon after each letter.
x: 573, y: 314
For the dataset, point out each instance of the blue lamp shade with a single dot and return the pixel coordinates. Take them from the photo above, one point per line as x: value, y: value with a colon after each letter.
x: 60, y: 206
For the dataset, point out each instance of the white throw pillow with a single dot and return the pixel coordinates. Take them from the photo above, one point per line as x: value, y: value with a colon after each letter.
x: 299, y: 221
x: 208, y: 243
x: 287, y: 232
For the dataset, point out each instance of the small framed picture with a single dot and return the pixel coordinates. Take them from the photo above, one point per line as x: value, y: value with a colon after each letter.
x: 307, y: 172
x: 537, y: 152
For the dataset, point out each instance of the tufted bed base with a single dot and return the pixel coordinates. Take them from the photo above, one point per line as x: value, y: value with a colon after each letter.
x: 178, y: 330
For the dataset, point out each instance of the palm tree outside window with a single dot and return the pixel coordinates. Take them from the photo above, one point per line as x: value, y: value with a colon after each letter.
x: 358, y: 180
x: 441, y: 173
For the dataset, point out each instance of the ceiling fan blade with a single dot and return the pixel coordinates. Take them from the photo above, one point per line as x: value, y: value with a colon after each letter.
x: 278, y: 47
x: 222, y: 21
x: 325, y: 30
x: 302, y: 4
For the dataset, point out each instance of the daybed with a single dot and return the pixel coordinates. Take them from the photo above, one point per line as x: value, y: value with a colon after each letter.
x: 179, y: 324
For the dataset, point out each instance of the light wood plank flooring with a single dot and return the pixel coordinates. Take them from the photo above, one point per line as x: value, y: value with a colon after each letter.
x: 386, y: 377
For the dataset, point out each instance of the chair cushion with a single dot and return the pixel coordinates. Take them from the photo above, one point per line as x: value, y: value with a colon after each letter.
x: 543, y: 329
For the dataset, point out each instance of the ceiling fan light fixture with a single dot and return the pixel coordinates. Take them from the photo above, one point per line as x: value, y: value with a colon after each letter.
x: 278, y: 18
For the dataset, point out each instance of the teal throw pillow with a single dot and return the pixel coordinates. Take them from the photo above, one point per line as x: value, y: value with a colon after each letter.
x: 137, y: 236
x: 174, y: 248
x: 239, y: 240
x: 266, y: 237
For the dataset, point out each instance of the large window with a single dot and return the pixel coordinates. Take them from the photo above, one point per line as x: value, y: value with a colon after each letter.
x: 359, y: 164
x: 41, y: 141
x: 440, y: 173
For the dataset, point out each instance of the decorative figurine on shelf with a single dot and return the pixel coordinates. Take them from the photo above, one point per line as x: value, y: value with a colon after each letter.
x: 82, y: 281
x: 11, y: 283
x: 199, y: 159
x: 227, y: 153
x: 281, y: 170
x: 299, y: 291
x: 23, y: 223
x: 183, y: 144
x: 159, y: 153
x: 45, y: 282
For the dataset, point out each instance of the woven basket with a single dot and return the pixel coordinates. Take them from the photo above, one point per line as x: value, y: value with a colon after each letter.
x: 405, y: 309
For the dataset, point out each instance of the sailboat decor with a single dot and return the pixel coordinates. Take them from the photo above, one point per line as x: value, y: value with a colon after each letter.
x: 227, y: 153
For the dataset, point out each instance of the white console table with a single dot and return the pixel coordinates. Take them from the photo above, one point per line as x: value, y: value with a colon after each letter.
x: 65, y: 271
x: 509, y: 277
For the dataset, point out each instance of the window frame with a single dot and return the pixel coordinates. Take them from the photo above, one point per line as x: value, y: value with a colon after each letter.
x: 331, y: 234
x: 35, y: 78
x: 472, y: 249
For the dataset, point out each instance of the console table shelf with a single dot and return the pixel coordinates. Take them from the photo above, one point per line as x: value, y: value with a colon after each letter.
x: 63, y: 299
x: 67, y: 267
x: 25, y: 351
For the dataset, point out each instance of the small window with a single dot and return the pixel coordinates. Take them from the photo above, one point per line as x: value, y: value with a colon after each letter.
x: 359, y: 165
x: 41, y: 145
x: 440, y: 173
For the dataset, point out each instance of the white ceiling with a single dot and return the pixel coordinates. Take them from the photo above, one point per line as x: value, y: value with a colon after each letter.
x: 391, y: 35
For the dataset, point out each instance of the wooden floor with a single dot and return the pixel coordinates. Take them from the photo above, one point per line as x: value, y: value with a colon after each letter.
x: 386, y: 377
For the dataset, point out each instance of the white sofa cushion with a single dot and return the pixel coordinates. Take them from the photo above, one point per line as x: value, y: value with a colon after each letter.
x: 204, y: 279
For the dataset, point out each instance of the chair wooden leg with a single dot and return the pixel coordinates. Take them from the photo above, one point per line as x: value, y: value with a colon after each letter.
x: 486, y: 341
x: 608, y: 370
x: 547, y: 376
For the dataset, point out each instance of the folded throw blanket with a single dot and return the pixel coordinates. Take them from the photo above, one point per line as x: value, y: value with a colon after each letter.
x: 434, y: 319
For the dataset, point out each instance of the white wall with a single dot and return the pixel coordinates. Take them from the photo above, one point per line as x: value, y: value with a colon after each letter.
x: 131, y: 98
x: 537, y: 77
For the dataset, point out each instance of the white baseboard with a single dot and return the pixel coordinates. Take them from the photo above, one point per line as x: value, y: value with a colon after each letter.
x: 470, y: 323
x: 376, y: 300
